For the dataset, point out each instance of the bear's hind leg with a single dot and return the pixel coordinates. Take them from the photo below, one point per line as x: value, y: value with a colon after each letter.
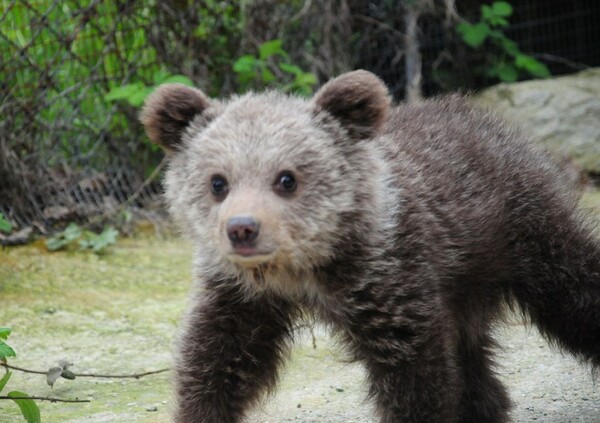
x: 414, y: 393
x: 484, y: 398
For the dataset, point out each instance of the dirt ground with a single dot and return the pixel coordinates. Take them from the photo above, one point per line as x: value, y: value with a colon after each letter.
x: 117, y: 314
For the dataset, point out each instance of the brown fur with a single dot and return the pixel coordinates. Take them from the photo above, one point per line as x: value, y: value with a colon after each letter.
x: 409, y: 229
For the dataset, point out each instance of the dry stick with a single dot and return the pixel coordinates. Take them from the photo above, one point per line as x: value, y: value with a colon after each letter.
x: 131, y: 376
x: 412, y: 58
x: 133, y: 196
x: 562, y: 60
x: 2, y: 397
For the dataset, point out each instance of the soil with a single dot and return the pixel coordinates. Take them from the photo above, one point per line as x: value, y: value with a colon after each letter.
x: 117, y: 313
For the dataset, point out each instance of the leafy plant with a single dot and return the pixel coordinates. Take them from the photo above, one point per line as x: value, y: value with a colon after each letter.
x: 83, y: 69
x: 136, y: 93
x: 84, y: 238
x: 510, y: 62
x: 5, y: 225
x: 28, y: 407
x: 272, y: 67
x: 5, y: 349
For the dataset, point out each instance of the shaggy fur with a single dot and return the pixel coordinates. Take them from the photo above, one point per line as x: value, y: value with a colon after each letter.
x: 408, y: 231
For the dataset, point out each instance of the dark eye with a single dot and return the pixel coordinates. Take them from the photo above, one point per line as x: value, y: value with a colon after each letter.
x: 219, y: 186
x: 286, y: 182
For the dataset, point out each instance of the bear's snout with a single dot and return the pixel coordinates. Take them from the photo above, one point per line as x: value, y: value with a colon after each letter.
x: 242, y: 230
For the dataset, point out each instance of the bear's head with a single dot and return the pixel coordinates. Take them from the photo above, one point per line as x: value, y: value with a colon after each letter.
x: 266, y: 184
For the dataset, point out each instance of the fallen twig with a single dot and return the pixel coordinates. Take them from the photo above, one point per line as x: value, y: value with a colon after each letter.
x: 130, y: 376
x: 3, y: 397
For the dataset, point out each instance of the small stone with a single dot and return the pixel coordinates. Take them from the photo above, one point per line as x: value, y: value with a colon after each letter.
x: 152, y: 408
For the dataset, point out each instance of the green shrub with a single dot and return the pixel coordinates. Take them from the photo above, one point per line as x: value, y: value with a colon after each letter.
x: 272, y: 68
x: 505, y: 60
x: 28, y: 407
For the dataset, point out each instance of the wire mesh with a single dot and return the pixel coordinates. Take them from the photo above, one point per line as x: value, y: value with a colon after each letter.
x: 563, y: 35
x: 68, y: 153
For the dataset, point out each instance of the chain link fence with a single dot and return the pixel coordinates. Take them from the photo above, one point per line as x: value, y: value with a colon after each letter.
x: 70, y: 153
x: 66, y: 152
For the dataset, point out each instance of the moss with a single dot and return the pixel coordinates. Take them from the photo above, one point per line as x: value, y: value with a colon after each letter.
x: 116, y: 313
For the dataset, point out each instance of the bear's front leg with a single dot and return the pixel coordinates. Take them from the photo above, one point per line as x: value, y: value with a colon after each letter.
x: 407, y: 345
x: 229, y: 354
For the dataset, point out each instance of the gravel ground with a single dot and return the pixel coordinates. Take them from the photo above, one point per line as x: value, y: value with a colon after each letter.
x: 115, y: 314
x: 545, y: 385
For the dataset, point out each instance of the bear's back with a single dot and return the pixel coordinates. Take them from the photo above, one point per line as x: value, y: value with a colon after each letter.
x: 481, y: 180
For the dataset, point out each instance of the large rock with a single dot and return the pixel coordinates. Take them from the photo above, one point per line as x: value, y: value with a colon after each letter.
x: 562, y: 113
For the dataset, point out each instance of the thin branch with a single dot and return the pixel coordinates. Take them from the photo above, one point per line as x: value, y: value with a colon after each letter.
x: 130, y: 376
x: 148, y: 180
x: 380, y: 24
x: 561, y: 60
x: 302, y: 11
x: 37, y: 372
x: 412, y: 58
x: 2, y: 397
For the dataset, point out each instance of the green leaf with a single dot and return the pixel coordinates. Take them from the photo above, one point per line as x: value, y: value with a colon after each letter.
x: 306, y: 78
x: 179, y: 79
x: 487, y: 12
x: 270, y: 48
x: 502, y: 8
x: 124, y: 92
x: 525, y: 62
x: 510, y: 46
x: 267, y: 76
x: 64, y: 238
x: 541, y: 71
x: 532, y: 65
x: 159, y: 76
x: 245, y: 64
x: 55, y: 243
x: 72, y: 232
x: 293, y: 69
x: 5, y: 225
x: 474, y: 35
x: 506, y: 72
x: 137, y: 99
x: 107, y: 237
x: 4, y: 380
x: 4, y: 332
x: 99, y: 242
x: 6, y: 351
x: 29, y: 408
x: 500, y: 22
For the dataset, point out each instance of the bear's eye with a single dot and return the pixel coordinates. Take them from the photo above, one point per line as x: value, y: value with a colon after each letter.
x: 219, y: 186
x: 286, y: 183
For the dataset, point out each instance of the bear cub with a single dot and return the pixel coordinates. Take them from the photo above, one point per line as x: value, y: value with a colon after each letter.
x: 407, y: 229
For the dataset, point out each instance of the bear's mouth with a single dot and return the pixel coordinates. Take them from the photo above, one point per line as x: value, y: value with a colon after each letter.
x: 249, y: 256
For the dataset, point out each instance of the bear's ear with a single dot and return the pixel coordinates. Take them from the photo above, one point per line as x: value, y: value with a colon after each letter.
x: 169, y: 110
x: 359, y: 100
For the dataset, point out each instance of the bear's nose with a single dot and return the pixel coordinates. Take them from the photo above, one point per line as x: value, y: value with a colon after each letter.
x: 242, y: 229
